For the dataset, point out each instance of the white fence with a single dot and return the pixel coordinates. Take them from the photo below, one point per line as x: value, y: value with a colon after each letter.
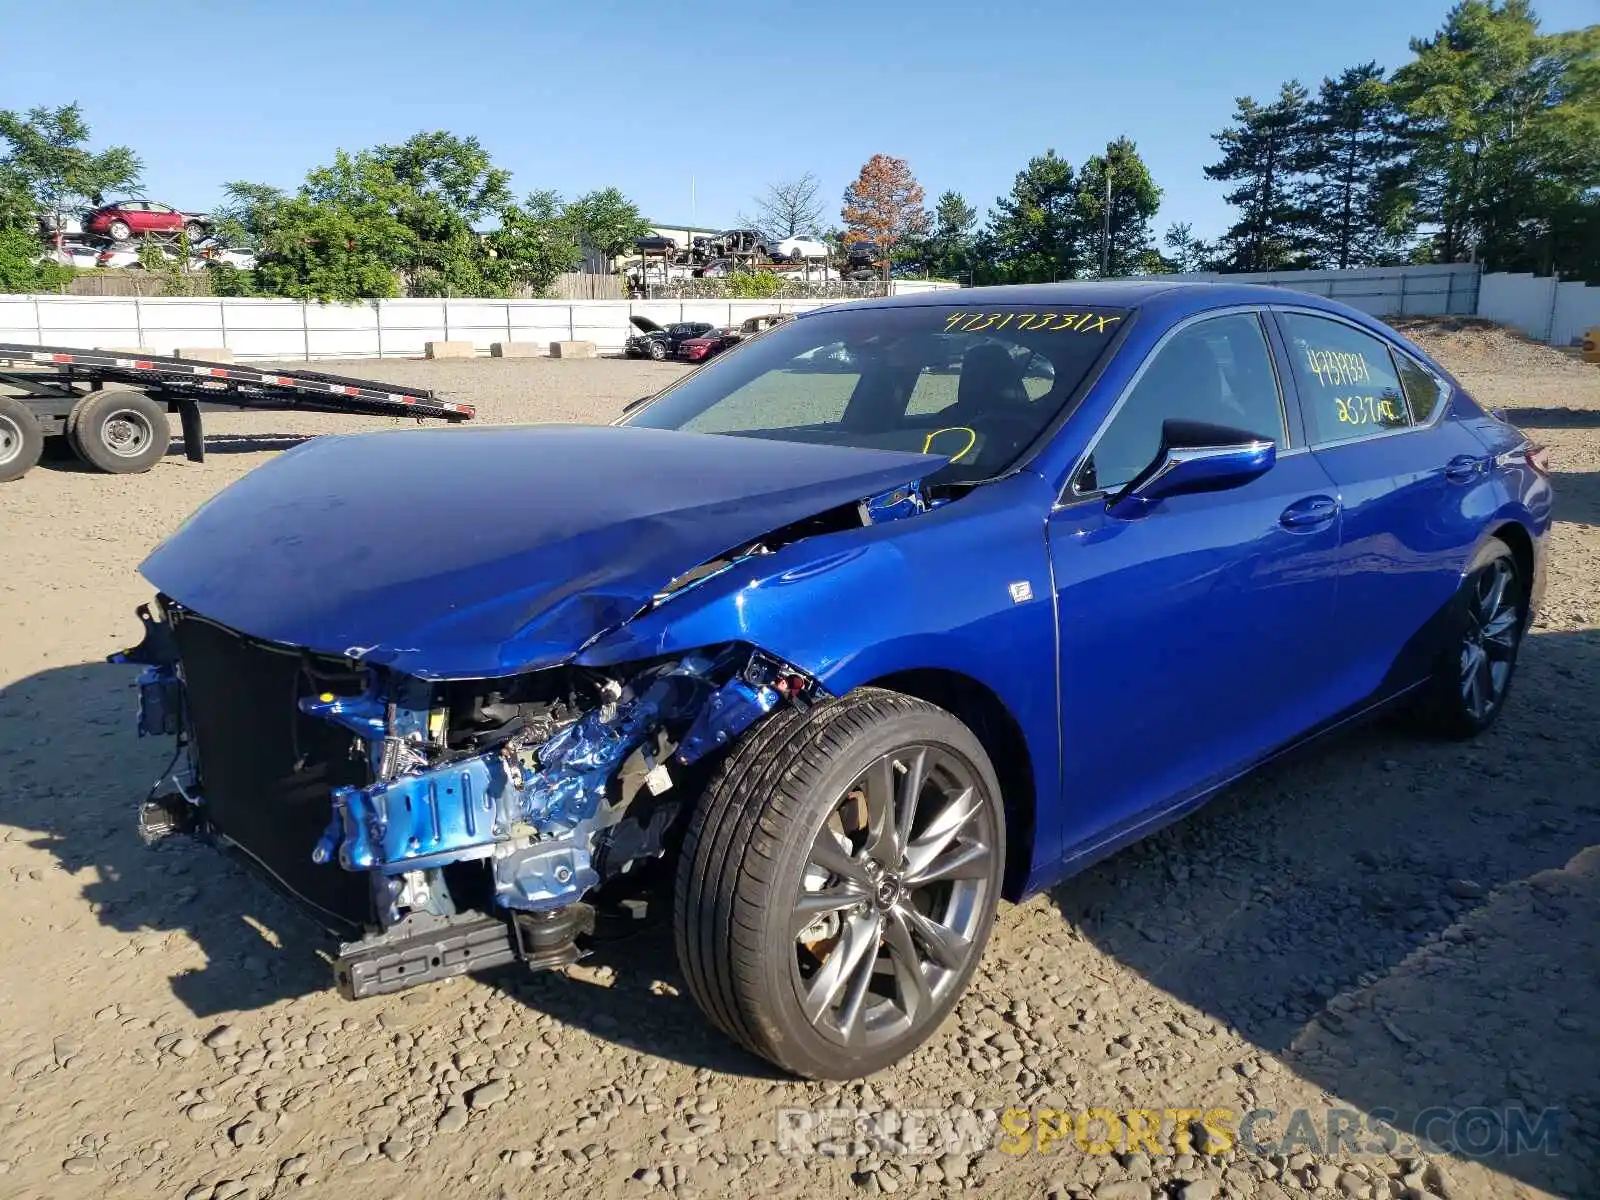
x: 285, y: 329
x: 1540, y: 306
x: 1424, y: 291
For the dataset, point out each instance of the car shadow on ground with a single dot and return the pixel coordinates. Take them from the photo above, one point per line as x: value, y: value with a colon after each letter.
x: 1409, y: 925
x: 1333, y: 874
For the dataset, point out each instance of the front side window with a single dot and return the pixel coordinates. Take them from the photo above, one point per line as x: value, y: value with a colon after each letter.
x: 1348, y: 384
x: 977, y: 384
x: 1218, y: 371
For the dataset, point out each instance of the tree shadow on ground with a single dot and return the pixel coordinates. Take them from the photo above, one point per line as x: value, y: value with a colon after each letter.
x: 1411, y: 926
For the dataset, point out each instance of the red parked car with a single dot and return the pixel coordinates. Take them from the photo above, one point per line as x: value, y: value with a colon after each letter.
x: 698, y: 349
x: 137, y: 218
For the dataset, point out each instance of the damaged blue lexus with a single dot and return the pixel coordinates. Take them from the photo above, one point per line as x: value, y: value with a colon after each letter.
x: 896, y: 610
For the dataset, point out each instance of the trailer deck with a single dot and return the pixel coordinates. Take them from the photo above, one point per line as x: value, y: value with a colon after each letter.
x: 59, y: 391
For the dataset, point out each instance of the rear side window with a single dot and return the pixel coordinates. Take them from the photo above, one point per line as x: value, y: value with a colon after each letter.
x: 1421, y: 388
x: 1348, y: 384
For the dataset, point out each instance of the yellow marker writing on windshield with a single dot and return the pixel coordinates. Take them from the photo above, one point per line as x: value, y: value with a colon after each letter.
x: 972, y: 440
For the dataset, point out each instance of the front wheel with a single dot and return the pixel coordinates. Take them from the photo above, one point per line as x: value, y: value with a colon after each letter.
x: 119, y: 231
x: 1472, y: 675
x: 838, y: 882
x: 658, y: 351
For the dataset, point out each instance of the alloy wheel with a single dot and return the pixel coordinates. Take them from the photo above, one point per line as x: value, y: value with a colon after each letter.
x: 888, y: 912
x: 1489, y: 645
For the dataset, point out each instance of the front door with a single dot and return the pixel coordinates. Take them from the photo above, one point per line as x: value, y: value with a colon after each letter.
x: 1194, y: 638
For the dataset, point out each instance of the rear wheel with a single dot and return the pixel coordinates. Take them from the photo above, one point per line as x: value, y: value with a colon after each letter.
x: 21, y: 439
x: 121, y: 432
x: 1472, y: 676
x: 195, y: 230
x: 838, y: 882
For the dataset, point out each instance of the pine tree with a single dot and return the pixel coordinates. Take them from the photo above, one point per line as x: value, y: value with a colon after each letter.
x: 1033, y: 233
x: 1135, y: 198
x: 1355, y: 165
x: 1263, y: 152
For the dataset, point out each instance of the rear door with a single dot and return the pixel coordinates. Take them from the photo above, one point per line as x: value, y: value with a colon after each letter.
x: 162, y: 219
x: 1411, y: 486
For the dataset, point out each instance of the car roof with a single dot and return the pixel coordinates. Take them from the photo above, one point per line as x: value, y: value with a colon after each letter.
x: 1174, y: 297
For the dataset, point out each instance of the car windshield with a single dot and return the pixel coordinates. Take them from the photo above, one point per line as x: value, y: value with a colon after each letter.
x: 977, y: 383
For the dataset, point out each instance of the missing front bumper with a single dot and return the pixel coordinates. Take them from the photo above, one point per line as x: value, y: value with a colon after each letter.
x: 425, y: 949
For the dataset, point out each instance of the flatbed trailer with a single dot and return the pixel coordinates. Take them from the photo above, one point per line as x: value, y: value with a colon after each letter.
x: 53, y: 391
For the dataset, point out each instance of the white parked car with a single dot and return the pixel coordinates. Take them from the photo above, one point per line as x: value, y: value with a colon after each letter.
x: 77, y: 255
x: 233, y: 256
x: 123, y: 255
x: 801, y: 248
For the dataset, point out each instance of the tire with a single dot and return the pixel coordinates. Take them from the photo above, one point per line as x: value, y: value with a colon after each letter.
x: 195, y: 230
x: 119, y: 231
x: 1472, y: 675
x: 780, y: 801
x: 120, y: 432
x: 657, y: 351
x: 21, y: 439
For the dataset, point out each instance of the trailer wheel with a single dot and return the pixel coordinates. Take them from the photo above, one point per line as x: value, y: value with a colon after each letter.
x: 121, y: 432
x: 21, y: 439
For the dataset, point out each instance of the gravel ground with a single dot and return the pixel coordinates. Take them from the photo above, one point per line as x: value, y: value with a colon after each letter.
x: 1378, y: 924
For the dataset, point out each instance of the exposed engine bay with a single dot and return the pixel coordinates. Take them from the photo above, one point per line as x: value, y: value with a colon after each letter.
x: 459, y: 824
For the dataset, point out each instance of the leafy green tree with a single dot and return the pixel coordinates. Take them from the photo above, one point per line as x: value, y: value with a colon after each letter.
x: 1355, y: 166
x: 21, y: 267
x: 1034, y: 233
x: 1263, y: 151
x: 1116, y: 240
x: 410, y: 217
x: 45, y: 152
x: 534, y: 242
x: 1505, y: 122
x: 607, y: 222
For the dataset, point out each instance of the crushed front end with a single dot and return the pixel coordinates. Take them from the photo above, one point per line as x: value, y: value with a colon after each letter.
x: 451, y: 825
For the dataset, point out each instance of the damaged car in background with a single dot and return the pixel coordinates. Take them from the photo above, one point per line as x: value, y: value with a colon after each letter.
x: 905, y: 607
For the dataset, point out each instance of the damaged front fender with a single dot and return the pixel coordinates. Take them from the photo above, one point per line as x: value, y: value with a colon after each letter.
x: 534, y: 806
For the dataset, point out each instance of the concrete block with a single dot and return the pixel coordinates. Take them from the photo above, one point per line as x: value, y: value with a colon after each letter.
x: 449, y: 349
x: 1591, y: 345
x: 214, y: 354
x: 516, y: 350
x: 574, y: 350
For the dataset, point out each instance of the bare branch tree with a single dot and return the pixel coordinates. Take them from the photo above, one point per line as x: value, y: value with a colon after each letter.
x: 790, y: 207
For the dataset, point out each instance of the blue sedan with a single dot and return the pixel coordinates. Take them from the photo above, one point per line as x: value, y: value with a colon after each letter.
x: 893, y: 611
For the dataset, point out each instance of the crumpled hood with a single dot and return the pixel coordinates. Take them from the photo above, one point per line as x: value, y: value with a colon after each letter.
x: 461, y: 553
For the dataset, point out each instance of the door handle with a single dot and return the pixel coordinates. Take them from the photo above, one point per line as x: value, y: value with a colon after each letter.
x: 1310, y: 512
x: 1464, y: 467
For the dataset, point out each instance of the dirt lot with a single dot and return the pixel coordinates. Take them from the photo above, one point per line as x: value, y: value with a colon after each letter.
x: 1380, y: 924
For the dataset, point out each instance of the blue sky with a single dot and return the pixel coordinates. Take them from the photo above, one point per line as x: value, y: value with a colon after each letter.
x: 654, y: 97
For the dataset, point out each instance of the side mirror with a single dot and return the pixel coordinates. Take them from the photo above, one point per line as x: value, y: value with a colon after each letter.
x: 1194, y: 457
